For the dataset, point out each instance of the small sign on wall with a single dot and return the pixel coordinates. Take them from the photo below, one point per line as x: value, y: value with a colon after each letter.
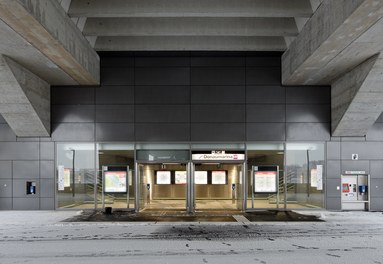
x: 354, y: 156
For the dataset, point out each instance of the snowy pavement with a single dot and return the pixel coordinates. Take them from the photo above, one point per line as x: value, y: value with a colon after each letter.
x: 41, y: 237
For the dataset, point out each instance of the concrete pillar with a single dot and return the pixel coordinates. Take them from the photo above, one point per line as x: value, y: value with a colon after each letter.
x: 24, y: 100
x: 357, y: 99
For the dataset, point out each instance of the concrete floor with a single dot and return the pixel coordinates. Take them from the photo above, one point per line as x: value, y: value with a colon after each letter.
x: 40, y: 237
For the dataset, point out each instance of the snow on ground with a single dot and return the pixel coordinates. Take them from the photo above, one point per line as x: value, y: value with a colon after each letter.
x: 40, y: 237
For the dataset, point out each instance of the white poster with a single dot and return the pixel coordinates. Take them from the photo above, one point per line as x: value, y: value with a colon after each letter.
x: 319, y: 177
x: 180, y: 177
x: 67, y: 177
x: 200, y: 177
x: 218, y: 177
x: 313, y: 177
x: 60, y: 177
x: 163, y: 177
x: 115, y: 181
x: 265, y: 181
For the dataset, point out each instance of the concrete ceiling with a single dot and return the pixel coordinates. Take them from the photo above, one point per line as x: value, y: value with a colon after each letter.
x: 256, y: 25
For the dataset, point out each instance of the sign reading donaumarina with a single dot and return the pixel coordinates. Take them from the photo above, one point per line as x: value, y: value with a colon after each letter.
x: 213, y: 156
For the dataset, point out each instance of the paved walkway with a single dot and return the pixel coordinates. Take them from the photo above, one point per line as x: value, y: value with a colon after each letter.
x: 41, y: 237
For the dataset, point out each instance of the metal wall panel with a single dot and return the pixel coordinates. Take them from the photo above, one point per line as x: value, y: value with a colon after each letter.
x: 218, y: 113
x: 26, y: 204
x: 73, y: 131
x: 331, y: 187
x: 376, y: 169
x: 47, y: 188
x: 333, y: 203
x: 308, y: 95
x: 333, y: 150
x: 47, y: 150
x: 308, y: 113
x: 2, y: 120
x: 117, y: 76
x: 162, y: 76
x: 264, y: 61
x: 168, y: 94
x: 265, y: 132
x: 26, y: 169
x: 115, y: 131
x: 162, y: 113
x: 333, y: 169
x: 162, y: 132
x: 19, y: 150
x: 218, y: 61
x: 265, y: 113
x: 20, y: 189
x: 218, y: 76
x: 5, y: 169
x: 307, y: 131
x: 72, y: 95
x: 365, y: 150
x: 218, y: 132
x: 263, y: 76
x: 218, y: 94
x: 120, y: 61
x: 375, y: 132
x: 47, y: 170
x: 72, y: 113
x: 162, y: 61
x: 47, y: 203
x: 379, y: 120
x: 6, y: 133
x: 5, y: 188
x: 376, y: 204
x: 355, y: 165
x: 5, y: 203
x: 376, y: 188
x: 265, y: 94
x: 115, y: 94
x: 115, y: 113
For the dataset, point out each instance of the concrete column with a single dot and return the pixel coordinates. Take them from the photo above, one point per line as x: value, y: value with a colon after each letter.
x: 357, y: 99
x: 24, y: 100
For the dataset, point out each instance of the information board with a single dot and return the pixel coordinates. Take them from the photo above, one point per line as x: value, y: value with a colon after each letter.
x: 67, y: 177
x: 163, y: 177
x: 180, y: 177
x: 115, y: 181
x: 265, y: 181
x: 200, y: 177
x: 218, y: 177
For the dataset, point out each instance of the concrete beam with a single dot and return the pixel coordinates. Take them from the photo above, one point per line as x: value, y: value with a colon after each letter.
x: 218, y: 43
x: 357, y: 99
x: 24, y: 101
x: 315, y: 56
x: 45, y: 25
x: 190, y: 8
x: 187, y: 26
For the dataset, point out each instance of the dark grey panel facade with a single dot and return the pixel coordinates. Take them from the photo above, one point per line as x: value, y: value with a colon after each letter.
x: 355, y: 165
x: 365, y: 150
x: 160, y: 132
x: 73, y: 131
x: 5, y: 188
x: 68, y: 95
x: 26, y: 204
x: 162, y: 94
x: 26, y: 170
x: 6, y: 133
x: 162, y: 61
x: 115, y: 113
x: 5, y: 169
x: 375, y: 132
x: 308, y: 113
x: 115, y: 95
x: 263, y: 61
x: 47, y: 150
x: 266, y: 113
x: 6, y: 204
x: 162, y: 113
x: 218, y: 113
x: 218, y: 76
x: 333, y: 203
x: 333, y: 169
x: 376, y: 169
x: 333, y: 150
x: 115, y: 131
x: 265, y: 94
x: 19, y: 150
x: 263, y: 76
x: 47, y: 169
x: 118, y: 61
x: 218, y: 132
x: 218, y: 61
x: 218, y: 94
x: 117, y: 76
x: 265, y: 132
x: 162, y: 76
x: 308, y: 131
x: 308, y: 95
x: 332, y: 187
x: 73, y: 113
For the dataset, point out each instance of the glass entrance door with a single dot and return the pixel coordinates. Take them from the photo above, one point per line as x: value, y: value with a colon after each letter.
x: 163, y: 186
x: 217, y: 186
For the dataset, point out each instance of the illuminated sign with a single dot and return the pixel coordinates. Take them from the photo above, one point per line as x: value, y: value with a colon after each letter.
x: 200, y: 177
x: 180, y: 177
x: 224, y: 156
x: 218, y: 177
x: 163, y: 177
x: 265, y: 181
x: 115, y: 181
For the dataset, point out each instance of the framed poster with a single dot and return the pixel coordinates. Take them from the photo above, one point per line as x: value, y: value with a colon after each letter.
x: 313, y: 178
x: 180, y: 177
x: 163, y: 177
x: 265, y: 181
x: 115, y: 181
x: 60, y: 178
x: 67, y: 177
x: 200, y: 177
x: 218, y: 177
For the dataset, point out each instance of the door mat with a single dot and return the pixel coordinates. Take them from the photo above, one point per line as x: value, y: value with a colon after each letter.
x: 287, y: 216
